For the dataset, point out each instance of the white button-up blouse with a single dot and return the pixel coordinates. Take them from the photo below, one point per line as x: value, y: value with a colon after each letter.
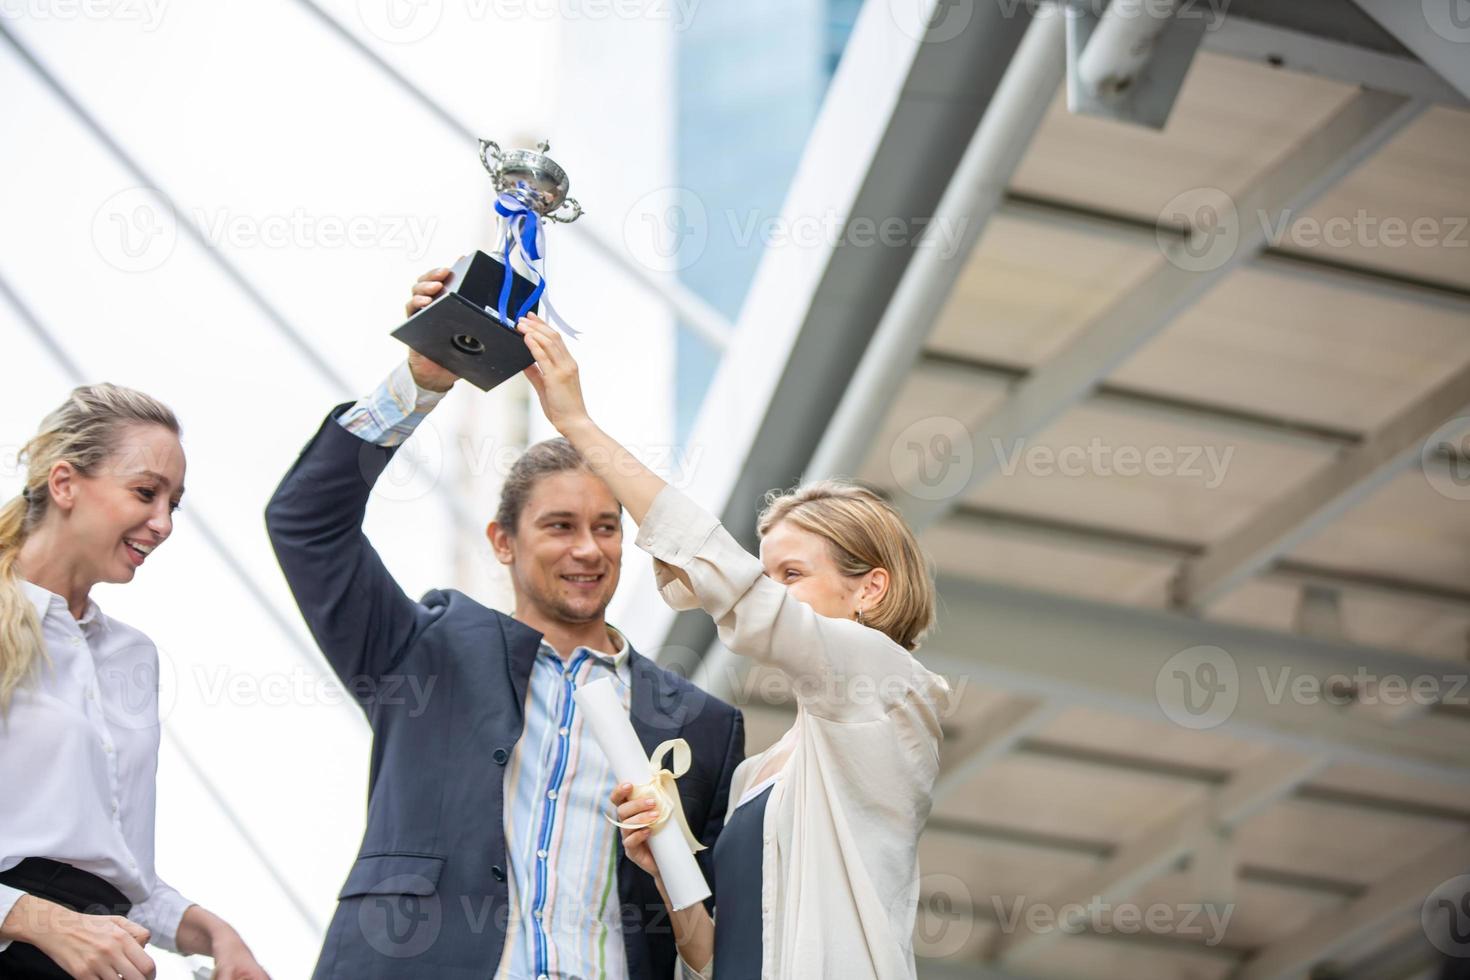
x: 839, y: 864
x: 79, y: 761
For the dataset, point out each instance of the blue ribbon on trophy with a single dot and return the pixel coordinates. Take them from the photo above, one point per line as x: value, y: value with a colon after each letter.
x: 531, y: 190
x: 470, y: 326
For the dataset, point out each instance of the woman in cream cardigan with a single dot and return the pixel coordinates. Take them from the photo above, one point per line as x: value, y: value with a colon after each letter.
x: 817, y: 868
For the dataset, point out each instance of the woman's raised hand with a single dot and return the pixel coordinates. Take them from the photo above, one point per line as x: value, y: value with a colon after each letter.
x: 554, y: 375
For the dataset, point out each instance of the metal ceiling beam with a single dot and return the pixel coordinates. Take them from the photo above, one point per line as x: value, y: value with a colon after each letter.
x: 1216, y: 776
x: 1427, y: 594
x: 1135, y: 661
x: 1430, y: 30
x: 1187, y: 773
x: 1228, y: 420
x: 1161, y: 847
x: 1151, y: 406
x: 991, y: 834
x: 1396, y: 896
x: 1350, y: 135
x: 1322, y: 497
x: 1335, y: 20
x: 1367, y: 799
x: 991, y: 738
x: 958, y: 969
x: 1410, y: 957
x: 1306, y: 266
x: 983, y: 834
x: 1240, y: 36
x: 1074, y: 534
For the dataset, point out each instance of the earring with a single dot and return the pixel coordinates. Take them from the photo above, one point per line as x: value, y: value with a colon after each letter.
x: 858, y: 615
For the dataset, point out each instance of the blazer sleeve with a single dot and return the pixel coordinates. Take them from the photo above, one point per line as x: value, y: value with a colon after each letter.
x: 362, y: 621
x: 840, y: 668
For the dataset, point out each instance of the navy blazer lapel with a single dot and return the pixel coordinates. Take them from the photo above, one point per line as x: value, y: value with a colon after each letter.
x: 521, y: 644
x: 654, y: 719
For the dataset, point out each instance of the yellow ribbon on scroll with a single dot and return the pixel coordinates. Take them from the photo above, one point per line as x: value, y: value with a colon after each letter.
x: 665, y: 791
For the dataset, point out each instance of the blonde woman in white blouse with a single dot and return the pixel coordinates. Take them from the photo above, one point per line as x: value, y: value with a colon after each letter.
x: 846, y: 791
x: 79, y: 727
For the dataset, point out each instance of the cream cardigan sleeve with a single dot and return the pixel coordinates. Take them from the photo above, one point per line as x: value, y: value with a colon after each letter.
x: 843, y: 670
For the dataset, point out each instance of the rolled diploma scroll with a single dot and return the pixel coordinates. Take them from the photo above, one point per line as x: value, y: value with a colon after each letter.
x: 609, y: 722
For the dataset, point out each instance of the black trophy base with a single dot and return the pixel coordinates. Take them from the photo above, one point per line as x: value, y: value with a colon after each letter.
x: 462, y: 330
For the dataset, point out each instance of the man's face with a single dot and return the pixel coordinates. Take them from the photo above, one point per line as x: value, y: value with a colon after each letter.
x: 568, y: 548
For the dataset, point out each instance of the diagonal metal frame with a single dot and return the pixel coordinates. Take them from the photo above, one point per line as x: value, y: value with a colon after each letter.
x: 1163, y: 846
x: 1398, y: 895
x: 1323, y: 497
x: 288, y: 332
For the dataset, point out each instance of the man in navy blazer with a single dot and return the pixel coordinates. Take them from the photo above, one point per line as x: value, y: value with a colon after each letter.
x: 429, y: 895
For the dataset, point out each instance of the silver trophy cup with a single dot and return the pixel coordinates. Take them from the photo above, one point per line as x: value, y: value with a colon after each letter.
x: 470, y: 327
x: 533, y: 178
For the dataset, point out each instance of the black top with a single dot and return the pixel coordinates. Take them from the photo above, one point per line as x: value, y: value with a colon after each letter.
x: 738, y: 876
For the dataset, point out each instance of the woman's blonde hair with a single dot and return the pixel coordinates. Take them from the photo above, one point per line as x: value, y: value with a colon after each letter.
x: 84, y: 432
x: 865, y: 532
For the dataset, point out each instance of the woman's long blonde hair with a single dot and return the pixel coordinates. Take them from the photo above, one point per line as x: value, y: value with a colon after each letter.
x: 865, y: 532
x: 84, y: 432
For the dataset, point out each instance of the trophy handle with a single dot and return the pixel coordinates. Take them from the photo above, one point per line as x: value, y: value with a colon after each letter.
x: 576, y: 210
x: 488, y: 149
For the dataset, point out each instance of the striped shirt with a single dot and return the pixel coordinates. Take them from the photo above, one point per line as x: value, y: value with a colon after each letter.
x: 565, y: 915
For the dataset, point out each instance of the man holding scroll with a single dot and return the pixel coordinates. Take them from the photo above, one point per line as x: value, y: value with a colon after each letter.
x: 487, y: 851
